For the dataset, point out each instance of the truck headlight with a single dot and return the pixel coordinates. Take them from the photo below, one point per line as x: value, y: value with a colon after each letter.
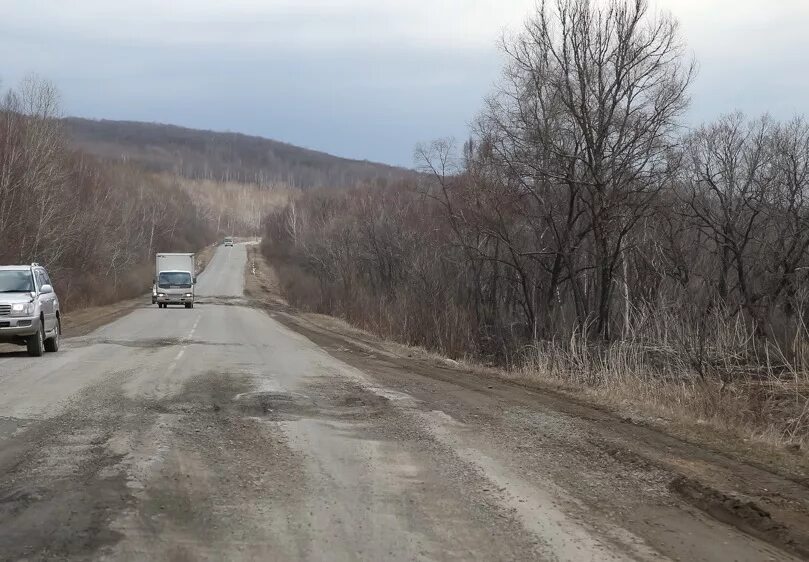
x: 161, y: 294
x: 22, y: 309
x: 189, y: 295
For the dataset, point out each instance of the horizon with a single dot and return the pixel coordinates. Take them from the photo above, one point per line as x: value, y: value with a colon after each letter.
x: 229, y: 132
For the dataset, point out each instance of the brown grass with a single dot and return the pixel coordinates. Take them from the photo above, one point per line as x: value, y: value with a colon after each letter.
x: 721, y: 380
x: 765, y: 417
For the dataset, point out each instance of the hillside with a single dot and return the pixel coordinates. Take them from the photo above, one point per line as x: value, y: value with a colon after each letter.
x: 209, y: 155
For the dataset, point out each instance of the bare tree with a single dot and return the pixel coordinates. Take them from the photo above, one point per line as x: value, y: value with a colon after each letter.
x: 585, y: 122
x: 95, y: 226
x: 786, y: 243
x: 729, y: 176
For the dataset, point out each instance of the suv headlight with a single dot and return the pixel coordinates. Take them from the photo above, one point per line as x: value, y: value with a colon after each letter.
x: 22, y: 309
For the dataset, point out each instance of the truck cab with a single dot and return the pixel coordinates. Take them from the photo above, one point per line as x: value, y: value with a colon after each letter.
x: 174, y: 280
x: 175, y: 287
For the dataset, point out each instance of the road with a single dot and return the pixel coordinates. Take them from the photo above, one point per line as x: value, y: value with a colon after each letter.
x: 222, y: 433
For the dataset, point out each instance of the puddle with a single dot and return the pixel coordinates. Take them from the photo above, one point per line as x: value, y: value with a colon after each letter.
x: 9, y: 426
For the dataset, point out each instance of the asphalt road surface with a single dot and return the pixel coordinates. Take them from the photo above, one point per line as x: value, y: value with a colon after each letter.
x: 218, y: 433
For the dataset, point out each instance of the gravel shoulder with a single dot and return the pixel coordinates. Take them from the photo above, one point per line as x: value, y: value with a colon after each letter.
x: 668, y: 490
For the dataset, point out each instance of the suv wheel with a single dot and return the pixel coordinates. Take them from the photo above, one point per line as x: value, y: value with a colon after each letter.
x: 52, y: 344
x: 36, y: 343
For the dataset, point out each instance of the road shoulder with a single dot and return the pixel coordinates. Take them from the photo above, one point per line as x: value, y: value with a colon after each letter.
x: 767, y: 500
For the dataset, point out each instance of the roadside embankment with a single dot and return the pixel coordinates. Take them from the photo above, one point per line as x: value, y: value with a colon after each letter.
x: 762, y: 491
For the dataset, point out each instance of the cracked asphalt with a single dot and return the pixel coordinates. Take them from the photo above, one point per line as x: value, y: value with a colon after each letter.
x: 221, y: 433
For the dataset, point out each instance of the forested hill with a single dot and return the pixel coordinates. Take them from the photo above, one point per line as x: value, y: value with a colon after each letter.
x: 199, y: 154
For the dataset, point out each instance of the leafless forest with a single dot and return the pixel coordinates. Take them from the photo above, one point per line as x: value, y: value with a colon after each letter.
x: 95, y: 199
x: 584, y: 235
x: 223, y: 157
x: 233, y: 207
x: 95, y: 222
x: 95, y: 226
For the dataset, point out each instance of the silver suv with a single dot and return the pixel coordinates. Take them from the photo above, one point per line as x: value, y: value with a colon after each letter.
x: 29, y: 309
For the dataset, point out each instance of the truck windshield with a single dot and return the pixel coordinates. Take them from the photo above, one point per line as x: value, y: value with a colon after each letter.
x: 12, y: 281
x: 177, y: 279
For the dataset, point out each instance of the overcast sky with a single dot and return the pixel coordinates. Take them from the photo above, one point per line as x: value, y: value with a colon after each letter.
x: 358, y: 78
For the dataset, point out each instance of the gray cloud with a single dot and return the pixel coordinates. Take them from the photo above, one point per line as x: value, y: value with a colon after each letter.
x: 359, y: 78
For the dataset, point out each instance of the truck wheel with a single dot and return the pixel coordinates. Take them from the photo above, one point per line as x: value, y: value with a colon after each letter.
x: 52, y: 344
x: 36, y: 343
x: 189, y: 305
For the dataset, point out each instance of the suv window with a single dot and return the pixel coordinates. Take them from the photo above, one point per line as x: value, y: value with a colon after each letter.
x: 42, y: 278
x: 16, y: 281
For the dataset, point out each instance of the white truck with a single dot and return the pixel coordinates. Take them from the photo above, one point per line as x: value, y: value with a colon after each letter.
x: 175, y: 277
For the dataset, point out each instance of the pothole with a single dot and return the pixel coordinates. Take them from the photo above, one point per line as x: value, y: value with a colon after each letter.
x: 355, y: 404
x: 144, y: 343
x: 158, y: 343
x: 276, y: 405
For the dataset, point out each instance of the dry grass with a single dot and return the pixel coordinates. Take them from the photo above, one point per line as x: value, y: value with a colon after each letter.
x: 721, y: 383
x: 756, y: 423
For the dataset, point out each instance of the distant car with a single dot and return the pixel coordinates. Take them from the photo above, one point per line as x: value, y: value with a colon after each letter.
x: 228, y: 241
x: 29, y: 309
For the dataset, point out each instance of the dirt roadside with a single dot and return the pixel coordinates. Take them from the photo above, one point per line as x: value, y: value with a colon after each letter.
x: 603, y: 458
x: 83, y: 321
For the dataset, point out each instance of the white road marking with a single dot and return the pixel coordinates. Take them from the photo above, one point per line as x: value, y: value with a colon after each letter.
x: 185, y: 341
x: 194, y: 327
